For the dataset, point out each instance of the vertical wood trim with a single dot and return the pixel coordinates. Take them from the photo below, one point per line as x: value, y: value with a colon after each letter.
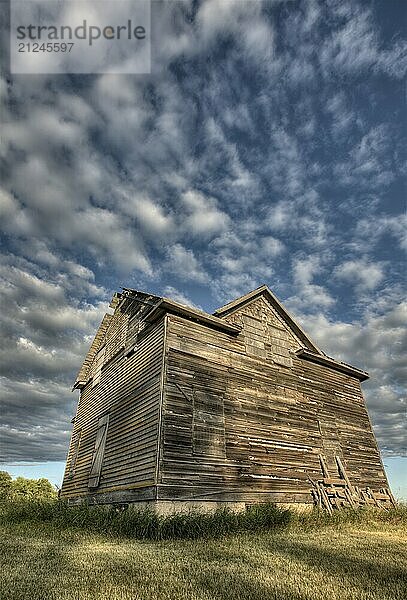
x: 160, y: 406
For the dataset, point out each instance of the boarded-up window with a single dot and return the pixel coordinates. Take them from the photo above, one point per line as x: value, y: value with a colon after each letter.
x: 97, y: 366
x: 254, y: 336
x: 74, y: 454
x: 208, y: 424
x: 98, y: 452
x: 280, y: 344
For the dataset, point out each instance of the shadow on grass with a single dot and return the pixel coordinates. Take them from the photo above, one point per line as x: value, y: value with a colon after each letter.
x: 49, y: 565
x: 236, y: 585
x: 370, y: 572
x: 25, y: 563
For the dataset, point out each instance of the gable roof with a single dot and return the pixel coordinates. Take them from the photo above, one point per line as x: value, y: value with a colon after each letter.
x: 154, y: 307
x: 263, y: 290
x: 311, y: 352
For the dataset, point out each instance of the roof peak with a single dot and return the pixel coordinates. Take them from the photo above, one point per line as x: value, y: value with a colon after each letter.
x: 265, y: 291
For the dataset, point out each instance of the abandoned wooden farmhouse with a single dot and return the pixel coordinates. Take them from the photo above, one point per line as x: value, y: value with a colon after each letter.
x: 180, y: 408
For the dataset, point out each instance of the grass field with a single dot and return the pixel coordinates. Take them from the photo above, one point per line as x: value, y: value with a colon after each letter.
x: 337, y: 561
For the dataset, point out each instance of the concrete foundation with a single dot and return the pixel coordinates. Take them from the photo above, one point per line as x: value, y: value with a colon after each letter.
x: 169, y: 507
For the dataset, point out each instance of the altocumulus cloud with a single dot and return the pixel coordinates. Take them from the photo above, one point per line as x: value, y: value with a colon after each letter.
x: 264, y: 147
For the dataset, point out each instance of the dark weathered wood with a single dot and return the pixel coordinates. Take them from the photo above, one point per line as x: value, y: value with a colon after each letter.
x: 343, y: 474
x: 274, y: 409
x: 324, y: 468
x: 128, y: 391
x: 235, y: 412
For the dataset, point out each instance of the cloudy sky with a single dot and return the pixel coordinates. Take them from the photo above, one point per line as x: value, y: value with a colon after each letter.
x: 267, y: 146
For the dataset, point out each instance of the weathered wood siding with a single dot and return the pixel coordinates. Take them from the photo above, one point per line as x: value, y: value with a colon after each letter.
x: 129, y: 391
x: 243, y: 418
x: 83, y: 374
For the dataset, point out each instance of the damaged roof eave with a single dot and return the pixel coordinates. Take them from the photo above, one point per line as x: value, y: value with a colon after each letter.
x: 165, y: 305
x: 326, y: 361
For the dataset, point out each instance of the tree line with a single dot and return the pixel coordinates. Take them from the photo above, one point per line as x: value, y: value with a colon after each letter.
x: 22, y: 488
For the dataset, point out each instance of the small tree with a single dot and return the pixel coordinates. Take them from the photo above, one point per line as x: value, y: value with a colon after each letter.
x: 32, y: 489
x: 45, y: 489
x: 25, y: 489
x: 6, y: 483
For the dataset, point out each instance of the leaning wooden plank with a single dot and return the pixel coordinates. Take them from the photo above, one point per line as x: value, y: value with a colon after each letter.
x: 317, y: 498
x: 343, y: 474
x: 325, y: 500
x: 349, y: 498
x: 367, y: 499
x: 315, y: 491
x: 373, y: 496
x: 391, y: 497
x: 324, y: 468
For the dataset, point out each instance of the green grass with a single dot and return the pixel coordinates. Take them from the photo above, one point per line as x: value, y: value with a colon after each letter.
x: 356, y: 555
x: 145, y: 524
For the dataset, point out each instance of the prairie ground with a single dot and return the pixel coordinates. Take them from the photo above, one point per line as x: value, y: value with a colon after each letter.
x: 42, y: 562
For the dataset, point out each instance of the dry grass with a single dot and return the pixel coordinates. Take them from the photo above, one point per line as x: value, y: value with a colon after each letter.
x: 346, y: 562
